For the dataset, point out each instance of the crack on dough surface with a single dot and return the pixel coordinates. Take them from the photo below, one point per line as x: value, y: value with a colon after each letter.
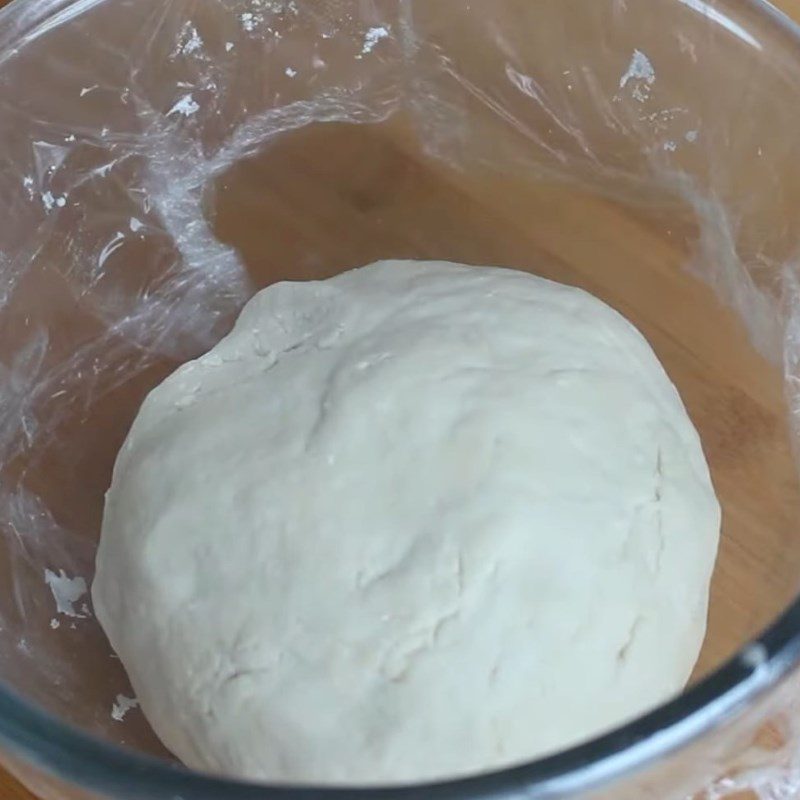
x: 658, y: 492
x: 630, y: 640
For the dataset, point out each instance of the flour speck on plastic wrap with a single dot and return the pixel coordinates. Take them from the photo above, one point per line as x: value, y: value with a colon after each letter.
x: 118, y: 120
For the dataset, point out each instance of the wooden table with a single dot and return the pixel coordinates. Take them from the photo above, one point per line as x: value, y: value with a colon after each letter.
x: 10, y: 789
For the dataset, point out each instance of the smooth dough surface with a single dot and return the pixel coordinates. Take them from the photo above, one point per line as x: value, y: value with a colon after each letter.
x: 416, y: 521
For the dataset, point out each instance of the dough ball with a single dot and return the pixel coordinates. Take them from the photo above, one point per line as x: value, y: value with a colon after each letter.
x: 417, y: 521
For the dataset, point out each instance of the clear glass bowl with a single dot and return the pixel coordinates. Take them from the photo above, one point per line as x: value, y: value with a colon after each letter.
x: 162, y: 159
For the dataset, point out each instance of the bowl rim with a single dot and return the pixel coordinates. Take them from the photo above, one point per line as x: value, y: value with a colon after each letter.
x: 69, y: 754
x: 40, y: 740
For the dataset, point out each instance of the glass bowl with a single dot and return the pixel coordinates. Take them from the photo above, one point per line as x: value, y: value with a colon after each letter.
x: 160, y: 160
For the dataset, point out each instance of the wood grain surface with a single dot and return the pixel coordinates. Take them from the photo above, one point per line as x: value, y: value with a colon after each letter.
x: 599, y: 224
x: 11, y: 789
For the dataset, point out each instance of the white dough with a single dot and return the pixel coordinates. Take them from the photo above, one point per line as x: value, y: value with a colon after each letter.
x: 416, y: 521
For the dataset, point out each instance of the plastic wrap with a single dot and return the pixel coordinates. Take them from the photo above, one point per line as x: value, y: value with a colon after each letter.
x: 161, y: 160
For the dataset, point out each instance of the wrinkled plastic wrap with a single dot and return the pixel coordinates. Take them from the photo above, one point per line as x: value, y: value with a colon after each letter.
x: 160, y: 160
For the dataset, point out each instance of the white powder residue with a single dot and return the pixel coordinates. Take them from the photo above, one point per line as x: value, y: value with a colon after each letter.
x: 66, y: 592
x: 691, y: 136
x: 276, y: 7
x: 374, y: 35
x: 291, y: 73
x: 121, y: 706
x: 136, y: 224
x: 186, y: 106
x: 191, y: 41
x: 640, y: 68
x: 640, y: 71
x: 229, y: 46
x: 50, y: 201
x: 665, y: 115
x: 670, y: 146
x: 87, y: 89
x: 54, y: 623
x: 250, y: 21
x: 27, y: 182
